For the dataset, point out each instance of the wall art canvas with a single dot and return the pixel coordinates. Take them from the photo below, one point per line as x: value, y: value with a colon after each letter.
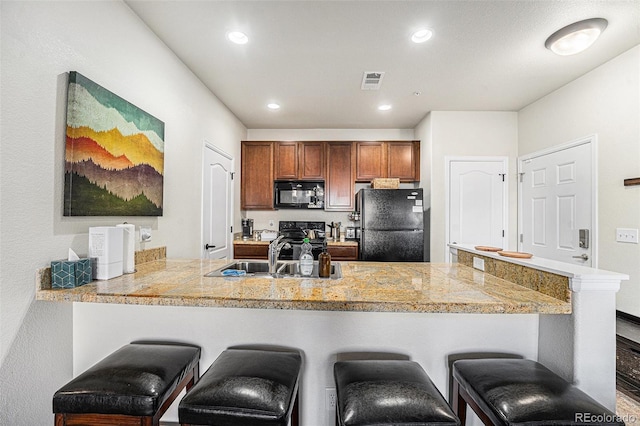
x: 114, y: 154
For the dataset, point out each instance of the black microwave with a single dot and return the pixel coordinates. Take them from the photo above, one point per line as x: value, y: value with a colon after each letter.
x: 298, y: 194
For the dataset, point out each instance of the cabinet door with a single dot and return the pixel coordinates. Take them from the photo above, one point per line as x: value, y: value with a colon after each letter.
x: 311, y: 160
x: 403, y: 160
x: 371, y: 160
x: 286, y: 160
x: 256, y: 182
x: 340, y: 180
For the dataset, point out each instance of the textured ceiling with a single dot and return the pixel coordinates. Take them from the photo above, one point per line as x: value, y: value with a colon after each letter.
x: 309, y: 56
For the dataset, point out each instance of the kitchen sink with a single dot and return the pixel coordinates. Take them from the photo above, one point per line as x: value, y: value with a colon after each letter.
x: 284, y: 269
x: 250, y: 267
x: 292, y: 270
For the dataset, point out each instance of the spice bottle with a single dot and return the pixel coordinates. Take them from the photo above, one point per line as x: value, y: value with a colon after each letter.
x: 324, y: 263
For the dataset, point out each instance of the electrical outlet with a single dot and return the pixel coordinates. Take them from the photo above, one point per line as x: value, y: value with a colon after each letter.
x: 330, y: 402
x: 627, y: 235
x: 145, y: 234
x: 271, y: 223
x: 478, y: 263
x: 330, y: 399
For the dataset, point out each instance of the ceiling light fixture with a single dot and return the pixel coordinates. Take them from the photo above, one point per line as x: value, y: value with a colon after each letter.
x: 576, y: 37
x: 273, y: 106
x: 421, y: 36
x: 385, y: 107
x: 237, y: 37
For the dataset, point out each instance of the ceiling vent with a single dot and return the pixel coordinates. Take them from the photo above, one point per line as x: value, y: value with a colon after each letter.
x: 372, y: 80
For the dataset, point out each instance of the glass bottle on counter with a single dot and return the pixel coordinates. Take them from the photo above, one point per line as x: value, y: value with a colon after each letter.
x: 324, y: 263
x: 306, y: 258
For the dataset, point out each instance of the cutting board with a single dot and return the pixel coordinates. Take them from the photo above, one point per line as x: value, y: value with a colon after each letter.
x: 515, y: 254
x: 488, y: 248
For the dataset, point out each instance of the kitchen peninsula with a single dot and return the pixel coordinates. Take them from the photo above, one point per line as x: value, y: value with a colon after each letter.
x: 424, y: 311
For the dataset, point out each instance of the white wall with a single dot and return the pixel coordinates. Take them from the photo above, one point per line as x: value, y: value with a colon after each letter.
x: 106, y: 42
x: 605, y: 102
x: 447, y: 133
x: 262, y: 218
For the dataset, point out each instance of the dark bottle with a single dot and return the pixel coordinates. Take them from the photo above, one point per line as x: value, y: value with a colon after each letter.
x: 324, y: 263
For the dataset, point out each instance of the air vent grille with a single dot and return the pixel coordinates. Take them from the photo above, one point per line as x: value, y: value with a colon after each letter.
x: 372, y: 80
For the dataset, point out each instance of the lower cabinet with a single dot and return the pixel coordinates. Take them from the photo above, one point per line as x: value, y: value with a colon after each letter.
x: 343, y: 252
x: 250, y: 251
x: 260, y: 251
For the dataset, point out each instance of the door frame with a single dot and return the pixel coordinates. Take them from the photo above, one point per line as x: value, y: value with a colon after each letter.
x: 208, y: 145
x: 591, y: 140
x: 447, y: 198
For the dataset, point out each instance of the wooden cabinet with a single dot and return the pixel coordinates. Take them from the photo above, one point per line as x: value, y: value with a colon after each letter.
x: 339, y: 164
x: 403, y: 160
x: 343, y: 252
x: 311, y: 160
x: 286, y: 160
x: 339, y: 191
x: 299, y: 160
x: 371, y: 160
x: 250, y: 251
x: 392, y: 159
x: 256, y: 180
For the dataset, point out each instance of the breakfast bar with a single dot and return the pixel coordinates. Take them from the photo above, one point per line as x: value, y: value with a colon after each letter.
x: 428, y: 312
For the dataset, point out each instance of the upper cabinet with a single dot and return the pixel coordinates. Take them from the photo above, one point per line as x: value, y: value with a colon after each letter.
x: 392, y: 159
x: 339, y: 191
x: 299, y: 160
x: 286, y: 163
x: 339, y: 164
x: 257, y: 174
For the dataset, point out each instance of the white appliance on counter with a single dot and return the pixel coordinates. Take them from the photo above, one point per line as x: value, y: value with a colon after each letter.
x: 106, y: 246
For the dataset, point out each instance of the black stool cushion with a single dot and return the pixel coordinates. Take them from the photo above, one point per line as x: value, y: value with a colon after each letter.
x: 388, y: 392
x: 524, y: 392
x: 244, y: 387
x: 134, y: 380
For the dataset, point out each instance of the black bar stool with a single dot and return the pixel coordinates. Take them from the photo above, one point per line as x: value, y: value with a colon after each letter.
x: 134, y: 385
x: 388, y: 392
x: 521, y: 391
x: 246, y: 386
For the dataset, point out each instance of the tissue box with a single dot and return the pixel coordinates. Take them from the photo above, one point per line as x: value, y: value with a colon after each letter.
x: 70, y: 273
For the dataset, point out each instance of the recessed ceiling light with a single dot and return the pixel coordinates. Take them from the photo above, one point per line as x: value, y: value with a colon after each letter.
x: 576, y: 37
x: 385, y: 107
x: 237, y: 37
x: 273, y: 106
x: 421, y: 36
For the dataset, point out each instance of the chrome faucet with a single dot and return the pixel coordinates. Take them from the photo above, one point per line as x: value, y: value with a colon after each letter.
x: 274, y: 252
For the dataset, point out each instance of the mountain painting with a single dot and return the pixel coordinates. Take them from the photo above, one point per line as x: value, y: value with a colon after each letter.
x: 114, y: 154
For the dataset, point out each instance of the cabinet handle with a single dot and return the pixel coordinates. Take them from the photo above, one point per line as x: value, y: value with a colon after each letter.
x: 207, y: 247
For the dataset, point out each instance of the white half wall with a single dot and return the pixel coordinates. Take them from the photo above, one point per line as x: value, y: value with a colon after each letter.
x: 604, y: 102
x: 106, y: 42
x: 447, y: 133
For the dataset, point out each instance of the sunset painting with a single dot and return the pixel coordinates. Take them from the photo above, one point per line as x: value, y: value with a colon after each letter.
x: 114, y: 154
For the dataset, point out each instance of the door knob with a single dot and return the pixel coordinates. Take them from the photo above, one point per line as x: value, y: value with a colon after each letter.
x: 582, y: 256
x: 207, y: 247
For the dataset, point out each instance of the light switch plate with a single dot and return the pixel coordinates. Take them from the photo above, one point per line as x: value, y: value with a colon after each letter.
x: 627, y: 235
x: 478, y: 263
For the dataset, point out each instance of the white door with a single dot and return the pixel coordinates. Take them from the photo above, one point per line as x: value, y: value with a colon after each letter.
x: 556, y: 204
x: 217, y: 202
x: 477, y: 201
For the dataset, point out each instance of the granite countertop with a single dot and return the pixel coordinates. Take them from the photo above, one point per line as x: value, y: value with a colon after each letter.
x: 365, y: 286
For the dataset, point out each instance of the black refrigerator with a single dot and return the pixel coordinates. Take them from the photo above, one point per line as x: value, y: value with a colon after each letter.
x: 392, y: 224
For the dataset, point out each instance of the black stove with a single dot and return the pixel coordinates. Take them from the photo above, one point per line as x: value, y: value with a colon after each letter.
x: 294, y: 233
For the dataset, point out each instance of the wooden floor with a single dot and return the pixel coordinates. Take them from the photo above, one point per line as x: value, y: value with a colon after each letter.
x: 628, y: 397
